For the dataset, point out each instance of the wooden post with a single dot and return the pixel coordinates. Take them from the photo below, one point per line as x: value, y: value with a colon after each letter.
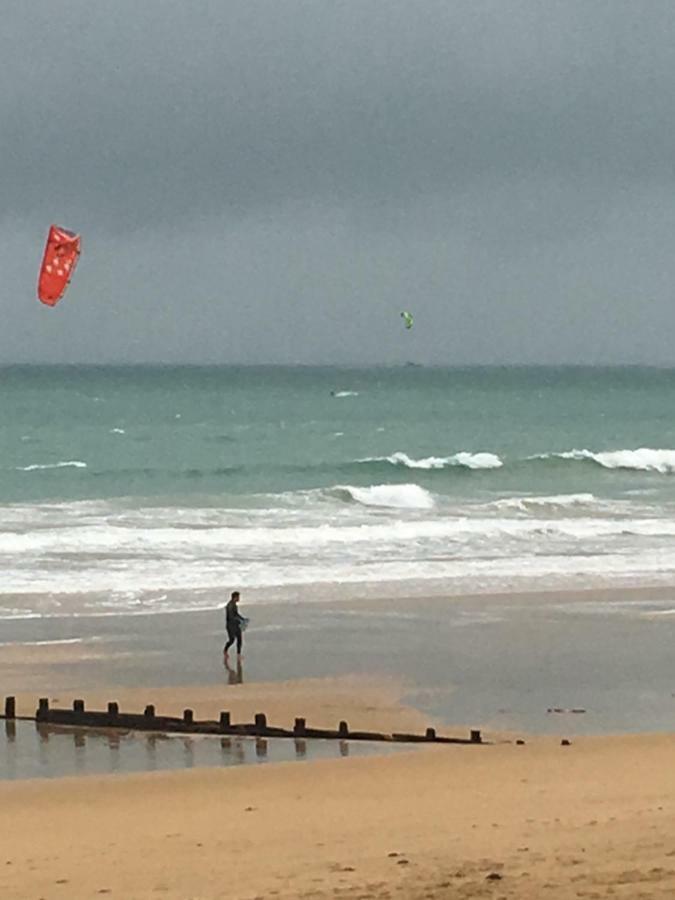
x: 43, y: 709
x: 188, y: 716
x: 149, y: 711
x: 10, y: 707
x: 224, y: 720
x: 300, y: 726
x: 113, y: 709
x: 430, y: 734
x: 78, y: 707
x: 260, y: 721
x: 343, y: 729
x: 475, y: 736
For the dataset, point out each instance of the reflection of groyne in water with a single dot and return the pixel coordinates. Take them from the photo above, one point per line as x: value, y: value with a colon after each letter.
x: 30, y: 749
x: 79, y: 716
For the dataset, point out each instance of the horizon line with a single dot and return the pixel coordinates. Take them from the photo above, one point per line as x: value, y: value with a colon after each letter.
x: 335, y: 365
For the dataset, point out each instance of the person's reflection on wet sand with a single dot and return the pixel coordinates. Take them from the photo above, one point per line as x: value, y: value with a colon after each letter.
x: 234, y: 675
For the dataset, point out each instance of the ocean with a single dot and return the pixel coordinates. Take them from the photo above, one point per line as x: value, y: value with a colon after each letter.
x: 159, y: 489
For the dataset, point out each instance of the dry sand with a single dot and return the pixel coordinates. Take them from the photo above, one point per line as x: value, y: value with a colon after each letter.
x: 593, y: 819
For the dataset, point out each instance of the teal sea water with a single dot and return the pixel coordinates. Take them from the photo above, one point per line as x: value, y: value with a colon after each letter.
x: 155, y: 489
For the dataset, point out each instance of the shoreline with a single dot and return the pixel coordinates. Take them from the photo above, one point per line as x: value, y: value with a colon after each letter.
x: 381, y: 592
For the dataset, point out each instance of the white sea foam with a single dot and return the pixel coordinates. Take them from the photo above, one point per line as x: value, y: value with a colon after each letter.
x: 117, y: 431
x: 536, y: 503
x: 464, y: 459
x: 644, y: 459
x: 396, y: 496
x: 477, y: 460
x: 67, y: 464
x: 345, y: 393
x: 106, y: 556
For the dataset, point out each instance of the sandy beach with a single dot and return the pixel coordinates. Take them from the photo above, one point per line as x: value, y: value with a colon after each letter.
x: 593, y: 819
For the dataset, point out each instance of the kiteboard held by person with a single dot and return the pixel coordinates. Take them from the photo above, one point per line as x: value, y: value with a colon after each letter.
x: 235, y: 624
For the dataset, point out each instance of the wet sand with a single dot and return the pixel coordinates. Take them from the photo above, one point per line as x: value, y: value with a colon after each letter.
x: 365, y: 702
x: 492, y: 661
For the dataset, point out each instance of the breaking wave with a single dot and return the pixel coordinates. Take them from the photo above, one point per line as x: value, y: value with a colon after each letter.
x: 67, y: 464
x: 644, y: 459
x: 463, y: 459
x: 393, y: 496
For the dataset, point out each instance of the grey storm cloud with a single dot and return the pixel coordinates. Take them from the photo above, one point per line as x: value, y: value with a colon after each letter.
x: 272, y: 180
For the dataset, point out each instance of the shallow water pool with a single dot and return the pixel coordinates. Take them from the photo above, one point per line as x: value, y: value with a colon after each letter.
x: 31, y: 750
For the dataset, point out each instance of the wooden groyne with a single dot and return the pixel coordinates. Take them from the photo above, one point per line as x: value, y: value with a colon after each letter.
x: 148, y: 720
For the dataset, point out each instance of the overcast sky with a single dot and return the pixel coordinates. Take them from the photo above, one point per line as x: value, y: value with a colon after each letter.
x: 274, y: 180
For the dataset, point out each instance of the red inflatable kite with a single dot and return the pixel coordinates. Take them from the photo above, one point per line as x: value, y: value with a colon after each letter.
x: 58, y: 264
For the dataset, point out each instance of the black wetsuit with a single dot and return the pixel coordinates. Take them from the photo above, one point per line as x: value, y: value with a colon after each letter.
x: 233, y: 625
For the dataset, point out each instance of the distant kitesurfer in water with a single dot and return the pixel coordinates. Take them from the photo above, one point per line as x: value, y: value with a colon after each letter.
x: 234, y: 624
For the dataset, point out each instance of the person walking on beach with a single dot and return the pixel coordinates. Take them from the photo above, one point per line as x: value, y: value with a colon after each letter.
x: 233, y: 623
